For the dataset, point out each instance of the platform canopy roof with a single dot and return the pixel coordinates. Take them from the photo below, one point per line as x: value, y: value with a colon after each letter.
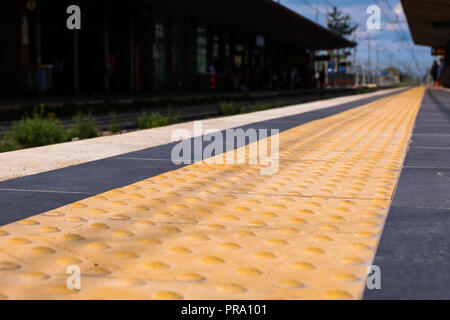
x: 429, y: 21
x: 262, y: 17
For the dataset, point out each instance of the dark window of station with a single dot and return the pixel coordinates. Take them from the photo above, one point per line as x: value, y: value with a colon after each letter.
x: 238, y: 57
x: 202, y: 50
x: 227, y: 46
x: 215, y: 50
x: 159, y: 54
x: 177, y: 52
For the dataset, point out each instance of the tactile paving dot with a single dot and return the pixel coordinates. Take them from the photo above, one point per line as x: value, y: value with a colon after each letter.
x: 225, y: 231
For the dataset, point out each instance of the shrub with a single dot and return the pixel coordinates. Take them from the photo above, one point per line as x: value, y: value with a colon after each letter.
x: 261, y: 107
x: 229, y: 108
x: 38, y: 130
x: 114, y: 126
x: 83, y: 126
x: 154, y: 120
x: 8, y: 145
x: 279, y: 103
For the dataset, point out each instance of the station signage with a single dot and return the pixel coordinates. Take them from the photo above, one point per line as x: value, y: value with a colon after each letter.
x: 438, y: 51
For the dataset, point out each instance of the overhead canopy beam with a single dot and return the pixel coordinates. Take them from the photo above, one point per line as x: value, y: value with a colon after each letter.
x: 261, y: 17
x: 265, y: 17
x: 429, y: 21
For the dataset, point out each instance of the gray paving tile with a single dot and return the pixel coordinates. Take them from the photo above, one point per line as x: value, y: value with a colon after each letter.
x: 18, y: 205
x: 431, y: 140
x: 414, y: 250
x: 414, y: 255
x: 421, y: 187
x: 435, y: 157
x: 92, y: 177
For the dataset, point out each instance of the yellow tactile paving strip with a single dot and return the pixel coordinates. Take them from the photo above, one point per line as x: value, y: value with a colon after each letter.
x: 225, y: 231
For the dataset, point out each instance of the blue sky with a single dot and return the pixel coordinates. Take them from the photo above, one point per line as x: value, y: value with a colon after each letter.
x: 393, y: 41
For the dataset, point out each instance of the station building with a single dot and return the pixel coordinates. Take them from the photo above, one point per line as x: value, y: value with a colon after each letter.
x: 141, y: 46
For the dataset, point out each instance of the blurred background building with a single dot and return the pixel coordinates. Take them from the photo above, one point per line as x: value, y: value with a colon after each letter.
x: 159, y: 46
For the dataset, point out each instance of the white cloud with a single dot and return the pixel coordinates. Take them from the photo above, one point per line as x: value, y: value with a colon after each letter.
x: 398, y: 10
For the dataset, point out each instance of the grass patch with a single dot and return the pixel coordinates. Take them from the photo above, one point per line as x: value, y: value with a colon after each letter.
x: 279, y: 104
x: 228, y: 108
x: 261, y: 107
x: 154, y: 120
x: 37, y: 130
x: 114, y: 125
x: 8, y: 145
x: 83, y: 127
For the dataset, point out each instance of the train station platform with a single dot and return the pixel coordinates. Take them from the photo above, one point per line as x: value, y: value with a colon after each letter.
x: 343, y: 198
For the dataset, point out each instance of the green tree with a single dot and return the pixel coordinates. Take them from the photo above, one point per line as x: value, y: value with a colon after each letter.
x: 393, y: 74
x: 392, y: 70
x: 341, y: 23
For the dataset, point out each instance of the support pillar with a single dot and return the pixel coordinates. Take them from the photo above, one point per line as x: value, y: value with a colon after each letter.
x: 106, y: 52
x: 132, y: 58
x: 76, y: 62
x: 38, y: 35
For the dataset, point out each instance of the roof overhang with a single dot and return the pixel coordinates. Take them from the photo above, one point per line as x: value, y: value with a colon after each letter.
x: 429, y: 21
x: 262, y: 17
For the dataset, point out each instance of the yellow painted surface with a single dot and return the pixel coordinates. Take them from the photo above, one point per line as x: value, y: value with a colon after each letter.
x: 224, y: 231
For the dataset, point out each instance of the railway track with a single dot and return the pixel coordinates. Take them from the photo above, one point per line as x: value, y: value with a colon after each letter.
x: 128, y: 120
